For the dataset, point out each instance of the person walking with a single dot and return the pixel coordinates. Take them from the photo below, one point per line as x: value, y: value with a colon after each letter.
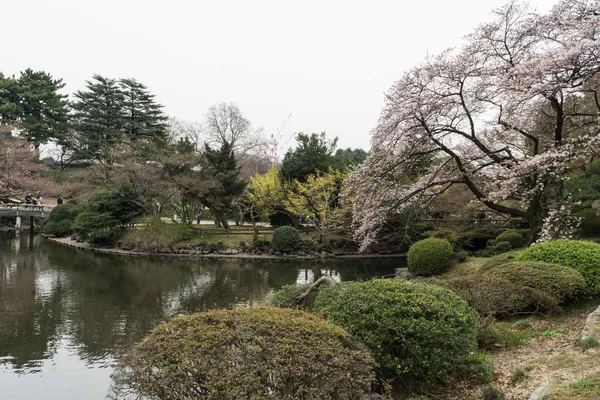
x: 39, y: 198
x: 28, y: 198
x: 59, y: 200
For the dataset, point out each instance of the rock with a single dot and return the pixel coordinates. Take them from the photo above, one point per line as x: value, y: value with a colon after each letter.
x: 541, y: 392
x: 591, y: 329
x: 402, y: 273
x: 323, y: 254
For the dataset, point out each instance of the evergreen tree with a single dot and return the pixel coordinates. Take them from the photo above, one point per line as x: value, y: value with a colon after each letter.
x: 44, y: 110
x: 313, y: 154
x: 227, y: 184
x: 98, y: 117
x: 143, y: 117
x: 10, y: 106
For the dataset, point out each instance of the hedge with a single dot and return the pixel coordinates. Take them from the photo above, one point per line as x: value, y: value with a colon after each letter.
x: 414, y: 328
x: 558, y: 281
x: 429, y: 256
x: 286, y: 239
x: 500, y: 259
x: 580, y: 255
x: 250, y: 353
x: 514, y: 238
x: 491, y: 296
x: 502, y: 247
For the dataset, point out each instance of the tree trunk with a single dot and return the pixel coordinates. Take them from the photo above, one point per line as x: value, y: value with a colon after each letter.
x: 226, y: 226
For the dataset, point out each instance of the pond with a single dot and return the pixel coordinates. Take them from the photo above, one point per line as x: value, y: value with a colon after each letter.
x: 66, y: 315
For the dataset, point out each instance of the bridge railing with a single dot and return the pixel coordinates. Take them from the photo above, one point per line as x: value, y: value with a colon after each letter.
x: 43, y: 208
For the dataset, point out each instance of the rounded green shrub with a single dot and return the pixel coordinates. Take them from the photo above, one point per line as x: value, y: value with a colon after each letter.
x: 249, y: 353
x: 429, y: 256
x: 286, y: 239
x: 493, y: 393
x: 490, y: 296
x: 580, y: 255
x: 478, y: 367
x: 502, y: 247
x: 60, y: 220
x: 513, y: 237
x: 558, y: 281
x: 413, y: 328
x: 499, y: 260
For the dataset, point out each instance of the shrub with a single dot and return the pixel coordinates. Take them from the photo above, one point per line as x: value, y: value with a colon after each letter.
x: 286, y: 239
x: 493, y: 393
x: 590, y: 225
x: 100, y: 229
x: 519, y: 375
x: 249, y: 353
x: 285, y: 297
x: 258, y: 244
x: 577, y: 254
x: 499, y: 260
x: 492, y: 296
x: 502, y: 247
x: 413, y: 327
x: 478, y: 367
x: 462, y: 256
x: 589, y: 343
x: 514, y: 238
x: 243, y: 244
x: 558, y: 281
x: 60, y: 220
x: 429, y: 257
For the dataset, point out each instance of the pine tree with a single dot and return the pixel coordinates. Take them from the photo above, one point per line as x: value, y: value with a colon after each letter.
x: 99, y: 117
x: 10, y: 106
x: 227, y: 184
x: 143, y: 117
x: 44, y: 110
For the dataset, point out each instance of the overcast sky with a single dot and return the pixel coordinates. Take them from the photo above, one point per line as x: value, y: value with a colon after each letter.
x: 326, y: 62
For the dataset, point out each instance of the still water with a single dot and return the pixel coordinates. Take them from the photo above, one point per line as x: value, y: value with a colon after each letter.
x: 66, y: 315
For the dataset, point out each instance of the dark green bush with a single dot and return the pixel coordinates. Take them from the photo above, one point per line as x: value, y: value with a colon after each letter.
x: 429, y: 257
x: 499, y: 260
x: 493, y: 393
x: 249, y: 353
x: 492, y: 296
x: 558, y: 281
x: 580, y: 255
x: 286, y: 239
x: 99, y: 229
x: 414, y: 328
x: 451, y: 236
x: 514, y: 238
x: 590, y: 225
x: 258, y: 244
x: 60, y: 220
x: 502, y: 247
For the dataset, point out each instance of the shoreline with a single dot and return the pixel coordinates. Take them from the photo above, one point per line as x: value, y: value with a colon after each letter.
x: 240, y: 256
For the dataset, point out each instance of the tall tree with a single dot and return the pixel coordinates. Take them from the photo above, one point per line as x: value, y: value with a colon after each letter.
x: 99, y: 117
x: 33, y: 102
x: 476, y: 110
x: 313, y: 154
x: 10, y: 104
x: 143, y: 117
x: 226, y: 184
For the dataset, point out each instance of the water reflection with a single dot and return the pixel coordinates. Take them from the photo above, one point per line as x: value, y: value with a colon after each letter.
x: 67, y: 311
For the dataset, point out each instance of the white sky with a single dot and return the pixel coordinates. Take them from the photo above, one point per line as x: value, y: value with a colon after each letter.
x: 326, y: 62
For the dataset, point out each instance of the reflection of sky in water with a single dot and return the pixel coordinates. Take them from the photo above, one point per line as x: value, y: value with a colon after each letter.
x: 65, y: 315
x: 65, y: 376
x: 307, y: 275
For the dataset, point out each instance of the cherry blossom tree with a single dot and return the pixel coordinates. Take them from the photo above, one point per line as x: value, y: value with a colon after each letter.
x: 478, y: 113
